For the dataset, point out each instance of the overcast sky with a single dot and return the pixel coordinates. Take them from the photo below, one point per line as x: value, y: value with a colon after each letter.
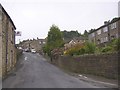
x: 34, y: 17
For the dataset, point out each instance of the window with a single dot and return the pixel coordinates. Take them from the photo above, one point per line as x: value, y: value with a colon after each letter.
x: 43, y: 42
x: 99, y: 32
x: 101, y: 40
x: 93, y: 34
x: 105, y: 29
x: 106, y: 39
x: 113, y: 26
x: 40, y: 42
x: 112, y: 37
x: 98, y: 41
x: 116, y: 35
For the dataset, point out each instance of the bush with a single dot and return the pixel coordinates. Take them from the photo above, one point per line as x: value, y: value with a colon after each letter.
x: 76, y: 50
x: 90, y: 47
x: 116, y: 44
x: 71, y: 52
x: 82, y: 51
x: 106, y: 49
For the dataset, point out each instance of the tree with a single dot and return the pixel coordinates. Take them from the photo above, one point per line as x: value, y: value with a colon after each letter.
x: 85, y: 33
x: 68, y: 35
x: 54, y: 39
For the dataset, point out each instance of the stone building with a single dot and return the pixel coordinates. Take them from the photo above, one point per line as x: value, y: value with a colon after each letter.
x: 36, y: 44
x: 75, y: 41
x: 7, y: 43
x: 105, y: 33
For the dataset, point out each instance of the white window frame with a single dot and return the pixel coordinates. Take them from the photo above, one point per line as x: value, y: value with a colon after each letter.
x: 93, y: 34
x: 40, y: 42
x: 43, y: 42
x: 102, y: 40
x: 113, y: 25
x: 117, y: 35
x: 106, y: 39
x: 105, y: 29
x: 99, y: 32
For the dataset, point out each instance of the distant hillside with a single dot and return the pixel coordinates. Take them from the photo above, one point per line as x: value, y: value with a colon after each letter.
x: 68, y: 35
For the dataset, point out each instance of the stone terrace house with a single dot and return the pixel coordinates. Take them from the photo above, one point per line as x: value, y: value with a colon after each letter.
x: 36, y: 44
x: 105, y: 33
x: 7, y: 43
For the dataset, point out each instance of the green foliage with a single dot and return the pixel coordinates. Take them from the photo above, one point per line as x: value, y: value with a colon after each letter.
x: 90, y: 47
x: 86, y: 48
x: 106, y: 49
x: 116, y: 44
x: 82, y: 51
x: 98, y: 50
x: 113, y: 46
x: 71, y: 52
x: 85, y: 33
x: 45, y: 49
x: 76, y: 50
x: 54, y: 39
x: 68, y: 35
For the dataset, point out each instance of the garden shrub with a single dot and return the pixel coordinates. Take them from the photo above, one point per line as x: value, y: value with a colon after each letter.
x: 90, y: 47
x: 106, y: 49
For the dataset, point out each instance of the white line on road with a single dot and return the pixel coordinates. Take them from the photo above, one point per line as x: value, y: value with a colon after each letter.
x: 97, y: 81
x: 25, y: 58
x: 85, y: 77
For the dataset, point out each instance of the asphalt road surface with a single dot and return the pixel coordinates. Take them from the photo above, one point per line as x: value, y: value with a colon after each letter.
x: 33, y: 71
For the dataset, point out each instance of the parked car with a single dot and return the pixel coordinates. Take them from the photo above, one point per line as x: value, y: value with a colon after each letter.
x: 33, y: 51
x: 26, y: 50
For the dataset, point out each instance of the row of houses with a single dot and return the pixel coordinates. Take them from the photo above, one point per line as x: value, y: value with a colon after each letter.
x: 36, y: 44
x: 100, y: 36
x: 7, y: 43
x: 107, y: 32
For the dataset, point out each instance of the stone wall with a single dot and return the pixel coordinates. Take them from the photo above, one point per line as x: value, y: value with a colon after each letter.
x: 8, y: 44
x: 18, y: 53
x: 102, y: 65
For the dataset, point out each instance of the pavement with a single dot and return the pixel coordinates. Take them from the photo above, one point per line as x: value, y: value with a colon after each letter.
x: 34, y: 71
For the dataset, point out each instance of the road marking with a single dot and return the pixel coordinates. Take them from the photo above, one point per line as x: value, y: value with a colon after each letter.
x: 85, y: 77
x: 43, y: 59
x: 98, y: 81
x: 25, y: 58
x: 80, y: 75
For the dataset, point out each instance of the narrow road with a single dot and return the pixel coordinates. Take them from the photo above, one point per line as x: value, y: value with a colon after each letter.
x: 33, y: 71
